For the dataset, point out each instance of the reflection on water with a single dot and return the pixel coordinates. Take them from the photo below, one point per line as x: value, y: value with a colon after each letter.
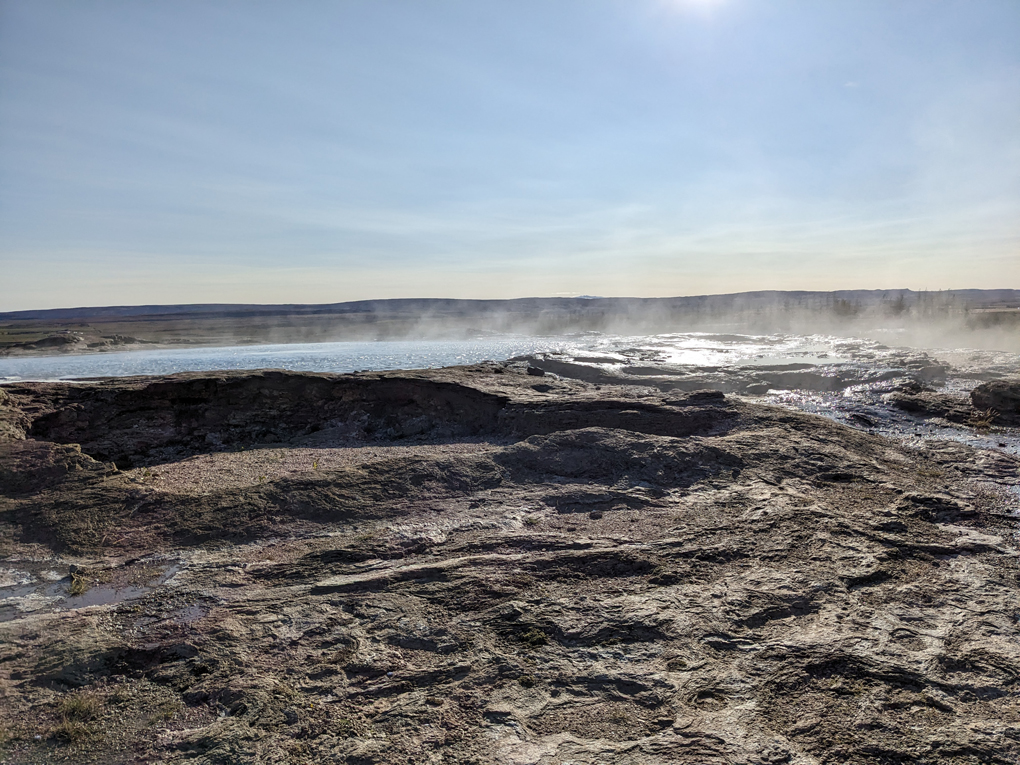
x: 688, y: 349
x: 700, y: 349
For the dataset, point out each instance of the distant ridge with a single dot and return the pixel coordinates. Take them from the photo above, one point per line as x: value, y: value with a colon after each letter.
x: 969, y: 298
x: 988, y: 317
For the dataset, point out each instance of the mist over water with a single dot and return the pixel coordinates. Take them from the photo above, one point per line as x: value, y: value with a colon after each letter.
x: 338, y: 357
x: 691, y: 351
x: 848, y: 379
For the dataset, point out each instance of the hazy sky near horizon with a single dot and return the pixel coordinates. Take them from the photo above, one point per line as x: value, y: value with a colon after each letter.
x: 229, y: 151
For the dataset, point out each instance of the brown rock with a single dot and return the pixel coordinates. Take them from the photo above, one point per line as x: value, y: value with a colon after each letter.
x: 1001, y: 397
x: 456, y: 566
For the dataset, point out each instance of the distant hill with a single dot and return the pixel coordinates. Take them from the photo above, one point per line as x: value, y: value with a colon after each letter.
x: 108, y: 328
x: 972, y: 299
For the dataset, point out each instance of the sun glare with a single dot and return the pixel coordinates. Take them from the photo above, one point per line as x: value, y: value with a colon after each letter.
x: 693, y: 6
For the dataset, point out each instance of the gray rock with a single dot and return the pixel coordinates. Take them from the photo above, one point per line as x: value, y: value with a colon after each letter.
x: 573, y: 575
x: 1001, y: 397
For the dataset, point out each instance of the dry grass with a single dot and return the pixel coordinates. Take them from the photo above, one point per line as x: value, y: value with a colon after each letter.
x: 72, y: 732
x: 983, y: 419
x: 76, y: 711
x: 80, y: 706
x: 80, y: 582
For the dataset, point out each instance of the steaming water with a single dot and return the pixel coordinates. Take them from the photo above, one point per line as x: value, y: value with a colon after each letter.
x: 693, y: 349
x: 303, y: 357
x: 886, y: 364
x: 861, y: 406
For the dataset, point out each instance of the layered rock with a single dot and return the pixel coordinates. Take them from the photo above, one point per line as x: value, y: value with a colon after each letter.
x: 481, y: 565
x: 1000, y: 399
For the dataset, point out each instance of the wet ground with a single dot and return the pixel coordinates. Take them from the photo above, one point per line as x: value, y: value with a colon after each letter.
x: 862, y: 372
x: 866, y: 407
x: 48, y: 584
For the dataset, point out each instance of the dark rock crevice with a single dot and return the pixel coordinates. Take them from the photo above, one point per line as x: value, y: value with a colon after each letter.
x: 143, y: 421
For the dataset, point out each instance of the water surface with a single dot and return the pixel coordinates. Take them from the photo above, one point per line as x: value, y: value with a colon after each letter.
x: 300, y: 357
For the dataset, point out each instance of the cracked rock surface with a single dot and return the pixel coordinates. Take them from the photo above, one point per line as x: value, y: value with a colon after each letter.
x: 482, y: 565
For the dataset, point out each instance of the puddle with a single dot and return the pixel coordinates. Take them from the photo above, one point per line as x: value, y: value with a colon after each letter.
x: 104, y: 596
x: 40, y: 595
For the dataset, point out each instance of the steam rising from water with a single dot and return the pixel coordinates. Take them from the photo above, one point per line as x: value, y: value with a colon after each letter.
x: 303, y: 357
x: 690, y: 350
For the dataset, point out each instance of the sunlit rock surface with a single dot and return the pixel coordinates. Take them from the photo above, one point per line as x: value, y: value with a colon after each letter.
x: 480, y: 564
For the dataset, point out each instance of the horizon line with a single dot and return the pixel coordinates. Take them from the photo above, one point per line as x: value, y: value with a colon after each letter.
x: 586, y: 298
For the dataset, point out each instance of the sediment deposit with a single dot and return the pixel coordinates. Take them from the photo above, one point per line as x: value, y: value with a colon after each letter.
x: 479, y: 564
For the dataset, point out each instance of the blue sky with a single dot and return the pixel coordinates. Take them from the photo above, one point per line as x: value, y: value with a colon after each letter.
x: 214, y: 151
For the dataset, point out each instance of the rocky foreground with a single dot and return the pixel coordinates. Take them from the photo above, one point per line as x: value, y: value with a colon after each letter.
x: 481, y: 565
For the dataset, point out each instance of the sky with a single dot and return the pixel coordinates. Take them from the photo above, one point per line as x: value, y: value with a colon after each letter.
x: 193, y: 151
